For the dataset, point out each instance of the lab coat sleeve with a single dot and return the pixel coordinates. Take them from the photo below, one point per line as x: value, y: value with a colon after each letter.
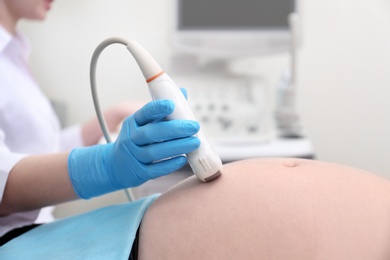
x: 71, y: 137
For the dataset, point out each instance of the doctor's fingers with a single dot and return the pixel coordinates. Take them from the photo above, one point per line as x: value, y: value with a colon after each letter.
x: 154, y: 111
x: 161, y: 131
x: 163, y: 167
x: 156, y: 152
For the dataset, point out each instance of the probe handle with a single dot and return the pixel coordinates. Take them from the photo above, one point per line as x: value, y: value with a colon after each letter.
x: 204, y: 162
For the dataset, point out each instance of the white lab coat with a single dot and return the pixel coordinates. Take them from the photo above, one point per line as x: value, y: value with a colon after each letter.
x: 28, y: 123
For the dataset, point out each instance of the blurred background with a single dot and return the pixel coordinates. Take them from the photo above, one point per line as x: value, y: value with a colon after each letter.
x: 342, y: 73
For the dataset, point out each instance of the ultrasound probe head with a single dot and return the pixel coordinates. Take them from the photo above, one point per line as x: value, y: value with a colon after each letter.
x: 204, y: 162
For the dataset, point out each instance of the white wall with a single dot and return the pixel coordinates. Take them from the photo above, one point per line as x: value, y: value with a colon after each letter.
x: 344, y: 69
x: 345, y: 81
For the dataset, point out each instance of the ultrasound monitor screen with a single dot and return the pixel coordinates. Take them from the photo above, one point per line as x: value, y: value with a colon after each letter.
x: 234, y: 14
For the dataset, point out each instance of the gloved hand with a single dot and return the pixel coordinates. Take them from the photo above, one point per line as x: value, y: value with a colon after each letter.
x: 147, y: 147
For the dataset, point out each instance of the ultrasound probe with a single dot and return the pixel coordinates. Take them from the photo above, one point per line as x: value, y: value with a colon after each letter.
x: 204, y: 162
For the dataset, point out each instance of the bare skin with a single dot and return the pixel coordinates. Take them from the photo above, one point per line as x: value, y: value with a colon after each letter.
x: 36, y: 182
x: 272, y: 209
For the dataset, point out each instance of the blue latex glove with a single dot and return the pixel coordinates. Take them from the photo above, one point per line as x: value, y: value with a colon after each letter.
x: 147, y: 147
